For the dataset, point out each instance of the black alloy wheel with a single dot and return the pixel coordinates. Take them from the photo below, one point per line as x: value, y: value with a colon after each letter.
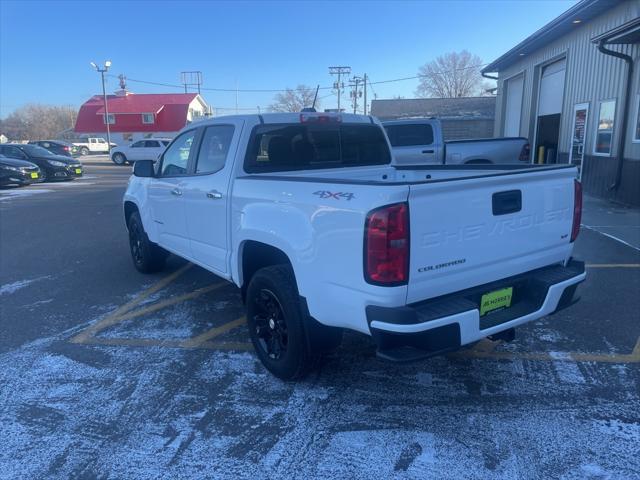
x: 270, y: 325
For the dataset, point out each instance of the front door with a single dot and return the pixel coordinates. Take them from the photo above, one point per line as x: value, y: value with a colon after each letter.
x: 135, y: 151
x: 578, y: 133
x: 166, y: 195
x: 206, y: 196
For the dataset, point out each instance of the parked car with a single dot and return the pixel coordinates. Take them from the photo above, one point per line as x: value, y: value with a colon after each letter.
x: 59, y: 147
x: 420, y: 141
x: 309, y: 217
x: 92, y: 145
x: 147, y: 149
x: 18, y: 172
x: 52, y: 166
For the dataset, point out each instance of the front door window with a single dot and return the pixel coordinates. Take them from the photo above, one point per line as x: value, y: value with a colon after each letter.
x: 176, y: 158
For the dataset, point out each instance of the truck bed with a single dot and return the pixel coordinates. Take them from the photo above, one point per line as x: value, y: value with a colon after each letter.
x: 406, y: 174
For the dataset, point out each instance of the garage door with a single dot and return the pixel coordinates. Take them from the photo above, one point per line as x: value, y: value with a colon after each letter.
x: 552, y: 88
x: 513, y: 109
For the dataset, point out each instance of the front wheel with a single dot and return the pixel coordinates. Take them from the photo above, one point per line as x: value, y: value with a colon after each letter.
x: 119, y: 158
x: 276, y: 323
x: 84, y: 151
x: 147, y: 256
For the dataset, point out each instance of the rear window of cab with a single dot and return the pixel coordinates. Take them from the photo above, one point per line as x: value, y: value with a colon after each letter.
x: 287, y: 147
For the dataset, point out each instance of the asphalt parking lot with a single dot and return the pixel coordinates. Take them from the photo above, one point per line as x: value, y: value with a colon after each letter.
x: 108, y: 373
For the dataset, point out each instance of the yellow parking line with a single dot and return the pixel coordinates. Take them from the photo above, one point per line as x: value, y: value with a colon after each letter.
x: 613, y: 265
x: 482, y: 350
x: 214, y: 332
x: 133, y: 342
x: 171, y: 301
x: 241, y: 346
x: 114, y: 317
x: 167, y: 343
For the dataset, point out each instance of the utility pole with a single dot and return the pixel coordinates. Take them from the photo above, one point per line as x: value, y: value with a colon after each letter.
x: 354, y: 93
x: 365, y: 93
x: 102, y: 71
x: 339, y: 85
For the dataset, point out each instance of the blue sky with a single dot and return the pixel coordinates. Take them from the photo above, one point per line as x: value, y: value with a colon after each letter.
x: 46, y: 46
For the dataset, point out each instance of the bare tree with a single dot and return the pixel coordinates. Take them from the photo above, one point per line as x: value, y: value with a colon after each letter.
x: 454, y: 74
x: 294, y: 100
x: 38, y: 122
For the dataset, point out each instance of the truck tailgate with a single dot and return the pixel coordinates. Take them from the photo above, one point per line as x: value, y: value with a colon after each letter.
x: 468, y: 232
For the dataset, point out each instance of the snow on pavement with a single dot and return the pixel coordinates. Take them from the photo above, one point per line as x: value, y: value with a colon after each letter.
x: 72, y: 410
x: 13, y: 287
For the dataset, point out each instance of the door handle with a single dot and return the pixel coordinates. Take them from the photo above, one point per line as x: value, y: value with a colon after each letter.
x: 214, y: 194
x: 427, y: 151
x: 176, y: 191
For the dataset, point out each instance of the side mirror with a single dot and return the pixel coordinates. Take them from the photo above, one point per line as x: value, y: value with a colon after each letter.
x: 144, y: 168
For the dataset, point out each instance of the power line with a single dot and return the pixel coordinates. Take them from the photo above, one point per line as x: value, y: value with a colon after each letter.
x: 276, y: 90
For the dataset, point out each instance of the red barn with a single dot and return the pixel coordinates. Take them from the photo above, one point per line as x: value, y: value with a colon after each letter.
x: 134, y: 116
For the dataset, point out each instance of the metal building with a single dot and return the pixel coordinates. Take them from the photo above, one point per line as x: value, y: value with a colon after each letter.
x: 573, y: 88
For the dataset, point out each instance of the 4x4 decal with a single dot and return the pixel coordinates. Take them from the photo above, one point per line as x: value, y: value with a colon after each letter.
x: 335, y: 195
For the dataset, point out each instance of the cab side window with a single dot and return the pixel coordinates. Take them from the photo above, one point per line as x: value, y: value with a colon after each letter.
x: 14, y: 152
x: 176, y: 158
x: 214, y: 148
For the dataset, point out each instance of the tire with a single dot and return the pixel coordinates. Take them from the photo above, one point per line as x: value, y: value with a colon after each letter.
x: 84, y: 151
x: 276, y: 323
x: 119, y: 158
x: 147, y: 256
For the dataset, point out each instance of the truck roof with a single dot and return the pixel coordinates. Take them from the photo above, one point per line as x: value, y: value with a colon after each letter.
x: 296, y: 117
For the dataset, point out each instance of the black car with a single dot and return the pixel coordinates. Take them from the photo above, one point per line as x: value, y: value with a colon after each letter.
x: 59, y: 147
x: 18, y: 172
x: 53, y: 167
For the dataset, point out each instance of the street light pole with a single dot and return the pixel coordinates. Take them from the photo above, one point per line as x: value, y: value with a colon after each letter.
x: 102, y: 71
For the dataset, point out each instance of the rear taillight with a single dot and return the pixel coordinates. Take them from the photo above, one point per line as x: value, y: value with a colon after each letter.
x: 386, y: 245
x: 524, y: 153
x: 577, y: 209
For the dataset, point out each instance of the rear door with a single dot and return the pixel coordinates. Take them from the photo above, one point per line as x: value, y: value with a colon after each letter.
x: 206, y: 195
x: 152, y: 149
x: 412, y: 143
x: 136, y: 151
x: 473, y: 231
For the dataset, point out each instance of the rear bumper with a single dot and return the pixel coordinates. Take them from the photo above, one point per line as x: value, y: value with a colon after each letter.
x: 443, y: 324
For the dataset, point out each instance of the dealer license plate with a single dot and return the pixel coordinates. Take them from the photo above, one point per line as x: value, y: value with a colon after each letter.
x: 34, y: 175
x: 78, y: 171
x: 496, y: 300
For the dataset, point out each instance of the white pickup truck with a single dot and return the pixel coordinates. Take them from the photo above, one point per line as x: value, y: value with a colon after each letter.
x: 306, y: 214
x: 92, y: 145
x: 420, y: 141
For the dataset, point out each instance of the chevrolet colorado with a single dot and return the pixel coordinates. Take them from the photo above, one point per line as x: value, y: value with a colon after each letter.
x: 307, y: 215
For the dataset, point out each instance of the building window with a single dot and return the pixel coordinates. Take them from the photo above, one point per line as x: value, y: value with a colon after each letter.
x: 147, y: 118
x: 636, y: 131
x: 604, y: 131
x: 112, y: 119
